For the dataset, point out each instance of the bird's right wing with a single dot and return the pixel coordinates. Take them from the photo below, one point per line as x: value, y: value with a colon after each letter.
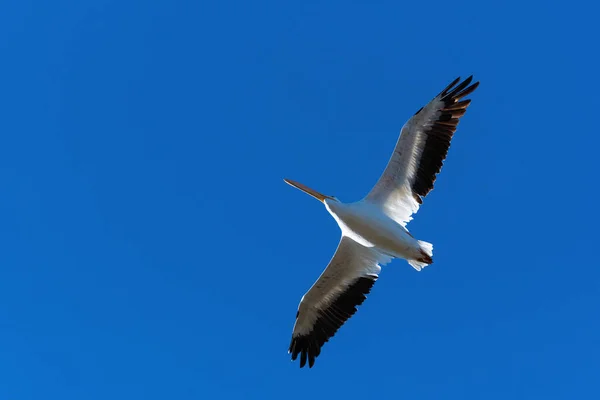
x: 334, y: 297
x: 420, y: 153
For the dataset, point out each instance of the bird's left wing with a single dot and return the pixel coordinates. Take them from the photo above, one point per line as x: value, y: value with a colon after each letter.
x: 420, y: 153
x: 334, y: 297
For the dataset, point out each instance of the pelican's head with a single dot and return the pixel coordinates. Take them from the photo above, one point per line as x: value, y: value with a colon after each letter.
x: 321, y: 197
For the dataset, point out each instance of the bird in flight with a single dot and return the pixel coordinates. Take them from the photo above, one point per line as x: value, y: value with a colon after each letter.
x: 374, y: 228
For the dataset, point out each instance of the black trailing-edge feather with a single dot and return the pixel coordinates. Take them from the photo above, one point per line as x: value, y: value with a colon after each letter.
x: 439, y: 134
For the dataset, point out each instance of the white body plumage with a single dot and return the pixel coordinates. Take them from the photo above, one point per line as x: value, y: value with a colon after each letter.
x: 367, y: 224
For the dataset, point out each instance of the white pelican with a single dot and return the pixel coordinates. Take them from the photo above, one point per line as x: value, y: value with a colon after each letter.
x: 374, y: 228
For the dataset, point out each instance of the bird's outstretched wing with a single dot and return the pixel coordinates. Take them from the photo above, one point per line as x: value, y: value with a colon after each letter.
x: 420, y: 153
x: 334, y: 297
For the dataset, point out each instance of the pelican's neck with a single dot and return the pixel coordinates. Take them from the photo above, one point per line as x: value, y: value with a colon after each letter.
x: 332, y: 205
x: 340, y: 212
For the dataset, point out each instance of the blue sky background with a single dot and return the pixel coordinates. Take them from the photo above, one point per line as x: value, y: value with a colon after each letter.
x: 151, y: 250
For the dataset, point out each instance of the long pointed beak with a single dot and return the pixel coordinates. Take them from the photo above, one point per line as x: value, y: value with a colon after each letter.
x: 307, y: 190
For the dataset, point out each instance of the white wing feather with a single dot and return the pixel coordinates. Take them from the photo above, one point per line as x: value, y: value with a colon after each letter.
x: 419, y: 153
x: 351, y: 262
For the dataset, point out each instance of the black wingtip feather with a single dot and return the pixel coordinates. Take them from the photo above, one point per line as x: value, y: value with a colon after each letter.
x: 303, y: 359
x: 454, y: 82
x: 458, y: 88
x: 467, y: 91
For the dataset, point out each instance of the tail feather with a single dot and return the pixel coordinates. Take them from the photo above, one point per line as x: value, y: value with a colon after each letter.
x: 426, y: 256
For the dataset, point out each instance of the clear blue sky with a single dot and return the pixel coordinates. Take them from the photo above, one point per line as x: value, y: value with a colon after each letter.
x: 150, y: 248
